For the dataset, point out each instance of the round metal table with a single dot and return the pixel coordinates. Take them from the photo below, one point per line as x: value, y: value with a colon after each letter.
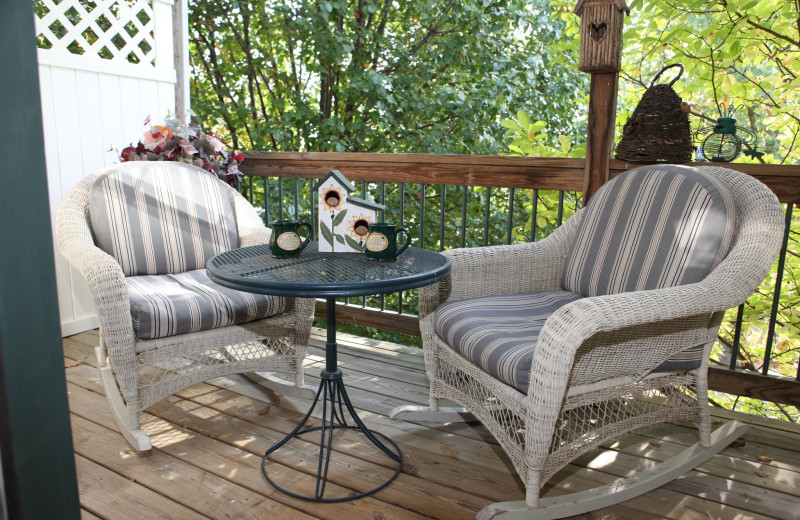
x: 330, y: 276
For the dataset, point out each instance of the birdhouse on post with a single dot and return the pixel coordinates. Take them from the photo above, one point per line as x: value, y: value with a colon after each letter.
x: 344, y: 221
x: 601, y: 34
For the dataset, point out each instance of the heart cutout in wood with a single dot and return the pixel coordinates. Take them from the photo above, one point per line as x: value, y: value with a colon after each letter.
x: 597, y: 31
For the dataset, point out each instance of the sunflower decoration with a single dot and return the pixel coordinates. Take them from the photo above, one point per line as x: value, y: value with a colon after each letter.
x: 332, y: 198
x: 359, y: 227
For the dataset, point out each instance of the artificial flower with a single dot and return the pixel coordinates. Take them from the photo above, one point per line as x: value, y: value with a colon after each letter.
x: 332, y: 198
x: 181, y: 139
x: 359, y: 226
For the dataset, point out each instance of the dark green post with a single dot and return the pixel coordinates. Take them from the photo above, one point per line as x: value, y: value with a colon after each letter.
x: 35, y: 439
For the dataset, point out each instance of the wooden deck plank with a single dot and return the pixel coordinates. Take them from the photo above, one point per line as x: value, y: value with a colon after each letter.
x: 86, y: 515
x: 211, y: 437
x: 230, y: 463
x: 183, y: 483
x: 109, y: 495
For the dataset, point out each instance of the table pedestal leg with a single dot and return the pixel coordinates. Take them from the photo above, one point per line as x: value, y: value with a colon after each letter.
x: 335, y: 402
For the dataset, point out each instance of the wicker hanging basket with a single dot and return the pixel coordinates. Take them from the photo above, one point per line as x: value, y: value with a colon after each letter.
x: 658, y: 130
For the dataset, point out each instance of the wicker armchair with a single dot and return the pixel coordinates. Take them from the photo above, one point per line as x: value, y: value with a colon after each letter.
x: 140, y: 234
x: 604, y: 327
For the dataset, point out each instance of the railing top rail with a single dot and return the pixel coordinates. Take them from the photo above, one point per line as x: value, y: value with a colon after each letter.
x: 459, y: 170
x: 552, y: 173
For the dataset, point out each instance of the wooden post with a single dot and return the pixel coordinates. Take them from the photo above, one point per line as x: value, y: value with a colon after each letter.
x: 601, y: 56
x: 38, y: 463
x: 180, y: 42
x: 600, y: 131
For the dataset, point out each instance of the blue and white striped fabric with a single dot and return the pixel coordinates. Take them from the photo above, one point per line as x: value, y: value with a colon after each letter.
x: 172, y: 304
x: 160, y: 218
x: 651, y: 227
x: 499, y: 333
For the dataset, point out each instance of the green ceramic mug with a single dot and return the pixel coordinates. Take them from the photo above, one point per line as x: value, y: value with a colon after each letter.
x: 285, y: 241
x: 381, y: 242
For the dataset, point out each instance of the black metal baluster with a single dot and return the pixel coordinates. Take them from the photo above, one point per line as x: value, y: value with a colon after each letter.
x: 402, y: 224
x: 296, y: 199
x: 463, y: 216
x: 737, y: 335
x: 312, y: 199
x: 776, y: 297
x: 443, y: 204
x: 422, y: 217
x: 486, y: 216
x: 280, y: 197
x: 534, y: 214
x: 265, y: 180
x: 510, y: 226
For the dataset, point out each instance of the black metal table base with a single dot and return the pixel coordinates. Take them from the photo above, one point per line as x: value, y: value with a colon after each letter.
x: 334, y: 404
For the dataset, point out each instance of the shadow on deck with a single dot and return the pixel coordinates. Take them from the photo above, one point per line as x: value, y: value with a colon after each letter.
x: 209, y: 439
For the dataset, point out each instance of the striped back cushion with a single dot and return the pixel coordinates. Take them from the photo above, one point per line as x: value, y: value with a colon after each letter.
x: 161, y: 217
x: 649, y: 228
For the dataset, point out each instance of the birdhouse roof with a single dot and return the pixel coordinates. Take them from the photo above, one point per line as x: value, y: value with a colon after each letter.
x: 365, y: 204
x: 341, y: 179
x: 621, y: 5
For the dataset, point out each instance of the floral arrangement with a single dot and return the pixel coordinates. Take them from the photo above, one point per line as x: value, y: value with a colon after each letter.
x: 181, y: 139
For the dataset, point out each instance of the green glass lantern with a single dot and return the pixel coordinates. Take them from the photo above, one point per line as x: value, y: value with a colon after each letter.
x: 725, y: 140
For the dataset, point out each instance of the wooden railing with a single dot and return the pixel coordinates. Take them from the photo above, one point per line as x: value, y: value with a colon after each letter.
x: 476, y: 170
x: 506, y: 172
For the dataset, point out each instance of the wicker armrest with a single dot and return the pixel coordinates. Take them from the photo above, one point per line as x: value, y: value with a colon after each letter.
x: 486, y: 271
x: 101, y: 271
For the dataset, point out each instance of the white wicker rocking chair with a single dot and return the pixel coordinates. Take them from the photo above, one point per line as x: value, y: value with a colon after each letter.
x: 604, y: 351
x: 140, y: 234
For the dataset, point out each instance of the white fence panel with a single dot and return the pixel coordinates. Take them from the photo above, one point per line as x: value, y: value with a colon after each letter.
x: 105, y: 66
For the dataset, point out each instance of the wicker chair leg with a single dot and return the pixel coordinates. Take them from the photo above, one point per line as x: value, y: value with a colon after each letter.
x: 414, y: 413
x: 132, y: 433
x: 620, y: 490
x: 275, y: 383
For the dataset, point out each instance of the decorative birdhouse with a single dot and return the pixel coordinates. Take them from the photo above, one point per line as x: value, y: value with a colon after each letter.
x: 601, y: 34
x: 343, y: 220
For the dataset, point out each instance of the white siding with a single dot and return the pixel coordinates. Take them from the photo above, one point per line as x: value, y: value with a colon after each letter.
x: 89, y: 106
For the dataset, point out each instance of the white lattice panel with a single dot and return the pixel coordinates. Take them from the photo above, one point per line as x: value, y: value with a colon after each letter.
x: 115, y: 30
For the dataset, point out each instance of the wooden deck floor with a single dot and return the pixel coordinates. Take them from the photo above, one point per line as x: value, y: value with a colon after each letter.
x: 208, y: 443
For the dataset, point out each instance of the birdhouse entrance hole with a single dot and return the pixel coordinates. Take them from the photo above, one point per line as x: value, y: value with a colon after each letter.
x: 361, y: 227
x: 333, y: 198
x: 598, y: 31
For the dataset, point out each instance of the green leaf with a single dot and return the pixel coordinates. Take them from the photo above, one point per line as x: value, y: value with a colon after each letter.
x: 537, y: 126
x: 339, y: 238
x: 338, y: 219
x: 352, y: 243
x: 326, y: 233
x: 522, y: 117
x: 566, y: 143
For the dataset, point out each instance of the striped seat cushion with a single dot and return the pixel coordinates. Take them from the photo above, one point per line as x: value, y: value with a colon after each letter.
x: 161, y: 217
x: 172, y: 304
x: 649, y: 228
x: 499, y: 334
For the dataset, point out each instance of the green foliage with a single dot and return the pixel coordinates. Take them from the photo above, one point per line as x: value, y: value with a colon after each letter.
x: 530, y: 138
x: 735, y: 52
x: 370, y: 76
